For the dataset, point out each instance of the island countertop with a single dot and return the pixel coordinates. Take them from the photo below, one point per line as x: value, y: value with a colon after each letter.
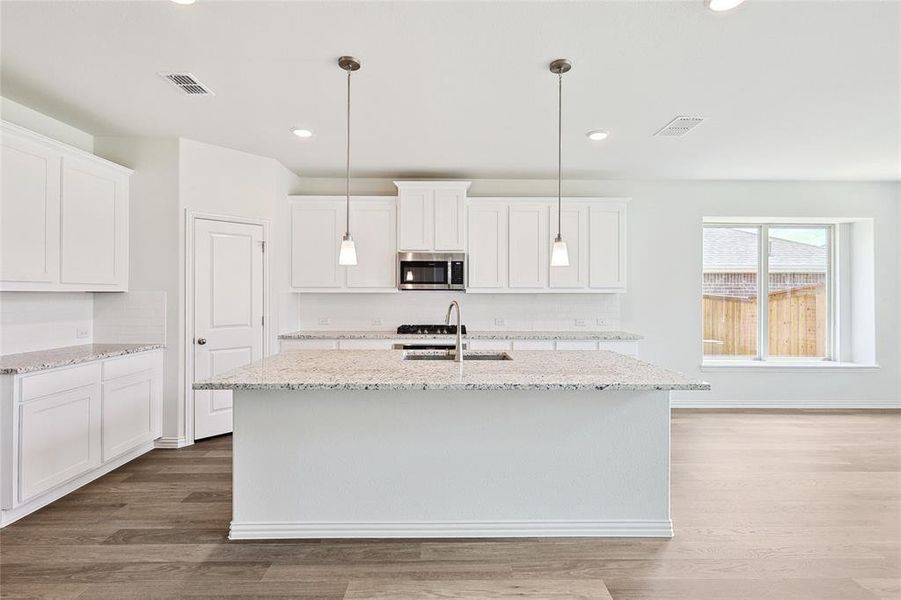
x: 387, y: 370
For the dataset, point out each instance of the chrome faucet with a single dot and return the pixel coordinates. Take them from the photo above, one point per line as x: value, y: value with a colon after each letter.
x: 458, y: 356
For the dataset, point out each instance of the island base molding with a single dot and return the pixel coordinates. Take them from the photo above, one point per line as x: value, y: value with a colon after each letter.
x: 475, y: 529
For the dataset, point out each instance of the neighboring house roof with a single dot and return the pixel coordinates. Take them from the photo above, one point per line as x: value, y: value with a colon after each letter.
x: 729, y: 250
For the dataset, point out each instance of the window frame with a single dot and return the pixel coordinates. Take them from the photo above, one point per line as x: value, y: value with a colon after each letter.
x: 763, y: 257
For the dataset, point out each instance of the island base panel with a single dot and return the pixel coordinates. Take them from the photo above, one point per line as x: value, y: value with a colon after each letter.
x: 448, y: 463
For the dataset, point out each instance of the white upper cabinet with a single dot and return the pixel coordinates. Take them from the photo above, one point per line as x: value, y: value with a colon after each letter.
x: 528, y: 249
x: 607, y: 247
x: 510, y: 242
x: 431, y: 216
x: 487, y: 253
x: 64, y: 217
x: 317, y: 226
x: 574, y: 227
x: 316, y: 229
x: 93, y: 225
x: 372, y: 225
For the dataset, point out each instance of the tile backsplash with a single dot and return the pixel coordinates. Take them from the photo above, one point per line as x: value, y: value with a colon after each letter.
x: 133, y: 317
x: 491, y: 312
x: 40, y: 320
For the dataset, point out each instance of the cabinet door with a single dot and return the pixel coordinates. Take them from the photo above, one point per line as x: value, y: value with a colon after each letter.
x: 416, y: 219
x: 29, y: 230
x: 372, y: 224
x: 128, y: 412
x: 607, y: 259
x: 574, y: 226
x: 528, y: 248
x: 93, y: 226
x: 59, y: 438
x: 450, y: 208
x: 316, y: 230
x: 487, y: 246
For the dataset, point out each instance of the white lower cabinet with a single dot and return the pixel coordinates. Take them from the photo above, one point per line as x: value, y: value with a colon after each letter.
x: 64, y: 427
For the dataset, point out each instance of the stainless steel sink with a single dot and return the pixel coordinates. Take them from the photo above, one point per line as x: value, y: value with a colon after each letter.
x: 466, y: 356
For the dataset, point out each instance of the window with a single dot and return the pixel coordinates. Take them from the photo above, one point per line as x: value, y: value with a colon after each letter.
x: 767, y: 291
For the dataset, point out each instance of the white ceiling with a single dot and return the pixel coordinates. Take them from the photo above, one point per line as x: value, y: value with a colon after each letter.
x: 791, y: 90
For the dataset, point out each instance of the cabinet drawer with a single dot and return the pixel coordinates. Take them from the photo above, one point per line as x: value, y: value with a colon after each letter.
x: 287, y: 345
x: 490, y: 344
x: 365, y: 344
x: 131, y: 363
x: 51, y: 382
x: 533, y: 344
x: 577, y: 345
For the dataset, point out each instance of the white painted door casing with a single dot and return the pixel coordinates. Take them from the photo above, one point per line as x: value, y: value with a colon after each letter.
x: 228, y: 312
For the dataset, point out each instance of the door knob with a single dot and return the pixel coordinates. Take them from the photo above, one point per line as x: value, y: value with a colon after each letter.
x: 201, y: 341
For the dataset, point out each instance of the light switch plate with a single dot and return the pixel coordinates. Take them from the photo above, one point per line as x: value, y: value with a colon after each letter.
x: 604, y: 322
x: 376, y: 322
x: 580, y: 322
x: 82, y: 333
x: 500, y: 323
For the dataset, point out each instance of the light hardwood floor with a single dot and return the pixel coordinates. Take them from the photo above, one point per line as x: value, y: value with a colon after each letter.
x: 777, y: 505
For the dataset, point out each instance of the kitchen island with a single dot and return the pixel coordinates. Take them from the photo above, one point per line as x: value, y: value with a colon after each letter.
x: 380, y: 443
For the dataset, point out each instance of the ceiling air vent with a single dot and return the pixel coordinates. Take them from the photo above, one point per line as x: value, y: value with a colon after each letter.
x: 680, y: 126
x: 187, y: 83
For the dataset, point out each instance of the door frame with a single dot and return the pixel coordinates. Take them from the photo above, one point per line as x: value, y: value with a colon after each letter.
x: 191, y: 217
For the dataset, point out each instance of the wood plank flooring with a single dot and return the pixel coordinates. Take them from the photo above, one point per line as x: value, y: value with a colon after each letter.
x: 769, y: 505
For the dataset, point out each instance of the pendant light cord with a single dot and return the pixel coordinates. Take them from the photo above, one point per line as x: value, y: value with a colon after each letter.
x: 347, y: 165
x: 559, y: 153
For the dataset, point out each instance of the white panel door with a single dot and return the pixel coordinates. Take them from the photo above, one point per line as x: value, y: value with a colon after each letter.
x: 29, y: 217
x: 93, y: 225
x: 528, y: 247
x: 607, y: 260
x: 228, y: 313
x: 373, y: 225
x: 450, y: 222
x: 129, y: 407
x: 316, y: 230
x: 487, y: 246
x: 574, y: 226
x: 59, y: 438
x: 416, y: 220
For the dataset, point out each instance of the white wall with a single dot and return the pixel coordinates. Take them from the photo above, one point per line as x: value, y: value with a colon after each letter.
x: 40, y: 320
x: 664, y: 303
x: 45, y: 125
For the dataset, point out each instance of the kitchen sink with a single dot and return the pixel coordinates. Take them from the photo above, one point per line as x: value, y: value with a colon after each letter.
x: 466, y: 357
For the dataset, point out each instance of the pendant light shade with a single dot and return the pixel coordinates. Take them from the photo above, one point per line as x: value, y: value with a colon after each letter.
x: 347, y: 256
x: 560, y: 253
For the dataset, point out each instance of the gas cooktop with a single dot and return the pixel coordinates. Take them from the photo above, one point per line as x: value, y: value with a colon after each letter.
x: 430, y: 329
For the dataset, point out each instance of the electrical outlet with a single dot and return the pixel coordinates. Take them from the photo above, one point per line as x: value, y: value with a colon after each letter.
x: 500, y: 323
x: 376, y: 322
x: 323, y: 320
x: 580, y: 322
x: 604, y: 322
x: 82, y: 333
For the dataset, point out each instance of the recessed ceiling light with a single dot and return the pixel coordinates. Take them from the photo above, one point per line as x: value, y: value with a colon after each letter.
x: 597, y: 135
x: 722, y: 5
x: 302, y: 133
x: 184, y: 1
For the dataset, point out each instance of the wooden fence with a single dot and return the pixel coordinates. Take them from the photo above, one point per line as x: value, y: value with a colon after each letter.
x: 797, y: 323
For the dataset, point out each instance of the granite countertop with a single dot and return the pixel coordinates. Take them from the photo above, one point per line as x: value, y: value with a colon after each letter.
x: 620, y: 336
x: 39, y: 360
x: 385, y: 370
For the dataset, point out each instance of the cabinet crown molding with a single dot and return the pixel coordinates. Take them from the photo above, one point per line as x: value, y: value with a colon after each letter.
x: 74, y: 152
x: 433, y: 184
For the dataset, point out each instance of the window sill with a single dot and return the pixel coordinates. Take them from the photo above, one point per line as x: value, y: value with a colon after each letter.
x: 773, y: 365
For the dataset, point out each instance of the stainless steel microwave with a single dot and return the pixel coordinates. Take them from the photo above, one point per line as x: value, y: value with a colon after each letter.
x: 431, y: 271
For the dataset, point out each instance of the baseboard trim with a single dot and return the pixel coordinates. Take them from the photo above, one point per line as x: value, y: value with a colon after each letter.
x: 14, y: 514
x: 171, y: 442
x: 799, y: 404
x: 250, y: 530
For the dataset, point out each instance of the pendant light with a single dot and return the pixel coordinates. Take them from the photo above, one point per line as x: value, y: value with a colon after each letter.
x: 348, y: 254
x: 559, y: 253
